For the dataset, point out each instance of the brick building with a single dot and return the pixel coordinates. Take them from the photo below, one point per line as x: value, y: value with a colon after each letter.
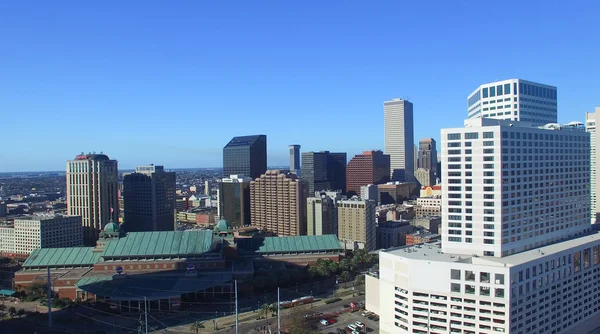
x: 370, y: 167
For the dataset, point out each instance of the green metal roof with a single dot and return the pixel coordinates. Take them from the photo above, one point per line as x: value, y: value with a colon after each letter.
x: 160, y: 243
x: 304, y: 243
x: 72, y: 256
x: 5, y: 292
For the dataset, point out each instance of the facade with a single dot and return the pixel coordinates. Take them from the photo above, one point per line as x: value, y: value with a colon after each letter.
x: 246, y: 155
x: 427, y: 156
x: 28, y: 233
x: 516, y: 100
x: 590, y: 126
x: 502, y: 178
x: 393, y: 233
x: 324, y: 170
x: 3, y: 210
x: 395, y: 192
x: 422, y: 289
x: 93, y: 192
x: 321, y: 215
x: 420, y: 237
x: 425, y: 177
x: 369, y: 192
x: 234, y: 200
x: 295, y: 159
x: 356, y: 224
x: 399, y: 138
x: 370, y: 167
x: 149, y: 199
x: 278, y: 203
x: 428, y: 206
x: 433, y: 191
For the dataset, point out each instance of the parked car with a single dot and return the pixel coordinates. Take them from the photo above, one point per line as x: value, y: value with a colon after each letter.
x: 324, y: 322
x: 359, y: 324
x: 352, y: 327
x: 366, y: 313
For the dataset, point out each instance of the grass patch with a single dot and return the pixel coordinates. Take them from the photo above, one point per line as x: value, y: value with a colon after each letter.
x: 332, y: 300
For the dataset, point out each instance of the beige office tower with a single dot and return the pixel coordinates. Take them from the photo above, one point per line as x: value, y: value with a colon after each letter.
x: 321, y: 215
x: 590, y: 127
x: 356, y: 224
x: 399, y: 139
x: 277, y: 203
x: 92, y: 192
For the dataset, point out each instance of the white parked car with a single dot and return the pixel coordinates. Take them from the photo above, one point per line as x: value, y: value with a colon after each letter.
x: 324, y: 322
x: 352, y: 327
x: 359, y: 324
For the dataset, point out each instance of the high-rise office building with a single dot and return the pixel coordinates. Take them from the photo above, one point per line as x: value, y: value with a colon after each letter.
x: 234, y: 200
x: 246, y: 155
x: 370, y: 167
x: 399, y: 139
x: 515, y: 228
x: 514, y: 99
x: 92, y: 192
x: 46, y: 231
x: 324, y: 170
x: 149, y: 199
x: 295, y: 159
x: 356, y: 224
x: 427, y: 156
x: 425, y: 177
x: 590, y: 126
x: 3, y: 210
x: 321, y: 215
x: 278, y: 203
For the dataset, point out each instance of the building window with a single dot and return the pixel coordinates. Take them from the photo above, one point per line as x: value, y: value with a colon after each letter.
x: 507, y: 88
x: 488, y: 135
x: 499, y: 278
x: 455, y: 287
x: 471, y: 135
x: 453, y: 136
x: 499, y: 90
x: 485, y: 92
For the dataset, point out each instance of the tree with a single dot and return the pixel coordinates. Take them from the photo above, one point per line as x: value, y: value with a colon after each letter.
x: 297, y: 323
x: 345, y: 276
x: 20, y: 312
x: 274, y: 309
x: 196, y: 326
x: 12, y: 311
x: 344, y: 265
x: 265, y: 308
x: 375, y: 267
x: 359, y: 280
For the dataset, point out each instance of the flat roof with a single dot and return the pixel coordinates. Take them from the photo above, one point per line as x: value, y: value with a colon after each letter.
x: 433, y: 252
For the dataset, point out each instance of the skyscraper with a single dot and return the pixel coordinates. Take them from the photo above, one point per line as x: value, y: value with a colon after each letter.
x: 590, y: 126
x: 278, y: 203
x: 370, y: 167
x: 234, y: 200
x: 399, y: 138
x: 428, y: 154
x: 321, y: 215
x: 324, y: 170
x: 514, y: 99
x: 516, y: 232
x: 245, y: 156
x: 92, y: 192
x: 149, y: 199
x: 295, y: 159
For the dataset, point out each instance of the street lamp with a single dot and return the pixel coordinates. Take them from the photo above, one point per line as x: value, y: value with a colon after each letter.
x: 311, y: 299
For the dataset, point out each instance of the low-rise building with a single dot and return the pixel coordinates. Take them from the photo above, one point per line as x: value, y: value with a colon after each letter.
x: 428, y: 206
x: 356, y: 224
x: 395, y: 192
x: 393, y: 233
x: 431, y: 223
x: 28, y: 233
x: 420, y: 237
x: 432, y: 191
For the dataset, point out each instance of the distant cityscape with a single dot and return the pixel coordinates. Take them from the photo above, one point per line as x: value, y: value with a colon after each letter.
x: 496, y: 233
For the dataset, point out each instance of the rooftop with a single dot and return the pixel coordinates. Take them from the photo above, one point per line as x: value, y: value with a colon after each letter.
x: 304, y: 243
x: 432, y: 252
x: 71, y: 256
x: 43, y: 216
x: 244, y: 140
x: 160, y: 243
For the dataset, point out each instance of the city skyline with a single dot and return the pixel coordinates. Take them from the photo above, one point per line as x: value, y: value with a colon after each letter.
x: 133, y: 72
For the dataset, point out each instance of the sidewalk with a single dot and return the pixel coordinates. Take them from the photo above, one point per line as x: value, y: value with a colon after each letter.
x: 251, y: 316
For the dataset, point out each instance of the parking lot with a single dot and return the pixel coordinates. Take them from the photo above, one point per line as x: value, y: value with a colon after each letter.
x: 344, y: 319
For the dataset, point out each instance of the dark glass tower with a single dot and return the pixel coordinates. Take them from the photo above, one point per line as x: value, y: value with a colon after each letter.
x: 324, y: 171
x: 246, y: 155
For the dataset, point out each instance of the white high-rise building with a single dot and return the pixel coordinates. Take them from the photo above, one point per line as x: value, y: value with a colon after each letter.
x: 590, y: 127
x: 399, y: 139
x: 514, y: 99
x: 517, y: 254
x: 92, y: 192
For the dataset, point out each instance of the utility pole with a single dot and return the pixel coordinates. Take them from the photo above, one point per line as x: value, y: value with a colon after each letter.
x: 237, y: 331
x: 49, y: 300
x: 146, y: 312
x: 278, y: 312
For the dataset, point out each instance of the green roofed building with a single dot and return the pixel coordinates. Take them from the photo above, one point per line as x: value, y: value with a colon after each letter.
x: 296, y: 249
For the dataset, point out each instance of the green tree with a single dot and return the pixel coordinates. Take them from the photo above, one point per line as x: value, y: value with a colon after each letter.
x: 265, y: 308
x: 359, y: 280
x: 332, y: 267
x: 20, y: 312
x: 12, y: 311
x: 375, y: 267
x: 345, y: 276
x: 344, y: 265
x: 196, y: 326
x: 297, y: 323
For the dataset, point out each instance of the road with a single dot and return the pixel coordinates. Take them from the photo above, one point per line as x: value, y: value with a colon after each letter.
x: 249, y: 327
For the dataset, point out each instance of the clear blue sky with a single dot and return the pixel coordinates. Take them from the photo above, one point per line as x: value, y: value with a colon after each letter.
x: 170, y: 82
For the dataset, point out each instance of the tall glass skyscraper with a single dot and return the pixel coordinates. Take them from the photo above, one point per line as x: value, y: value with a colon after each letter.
x: 246, y: 155
x: 516, y: 100
x: 399, y: 139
